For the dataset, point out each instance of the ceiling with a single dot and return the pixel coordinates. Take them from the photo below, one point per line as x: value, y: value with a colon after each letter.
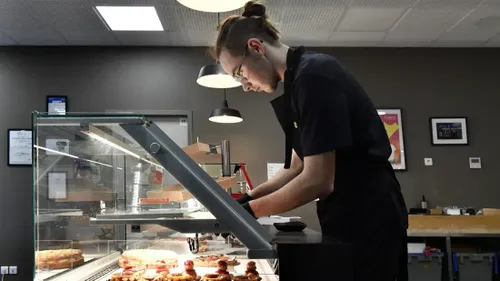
x: 381, y: 23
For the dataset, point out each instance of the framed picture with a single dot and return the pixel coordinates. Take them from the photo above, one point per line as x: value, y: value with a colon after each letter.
x: 57, y: 183
x: 20, y: 147
x: 57, y: 105
x: 449, y: 130
x: 393, y: 123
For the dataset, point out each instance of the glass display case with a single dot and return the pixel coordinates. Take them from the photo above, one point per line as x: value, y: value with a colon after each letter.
x: 117, y: 199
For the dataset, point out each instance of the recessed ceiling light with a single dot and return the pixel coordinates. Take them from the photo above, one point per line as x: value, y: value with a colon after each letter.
x: 213, y: 6
x: 127, y: 18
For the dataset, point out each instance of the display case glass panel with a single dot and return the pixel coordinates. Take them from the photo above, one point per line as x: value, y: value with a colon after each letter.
x: 104, y: 204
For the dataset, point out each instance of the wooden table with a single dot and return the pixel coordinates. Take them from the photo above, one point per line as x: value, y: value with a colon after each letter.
x: 453, y: 226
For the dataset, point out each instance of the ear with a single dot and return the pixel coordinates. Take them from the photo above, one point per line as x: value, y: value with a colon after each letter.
x: 256, y: 45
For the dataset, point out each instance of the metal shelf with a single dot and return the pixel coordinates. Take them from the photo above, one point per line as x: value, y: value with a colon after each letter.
x: 182, y: 225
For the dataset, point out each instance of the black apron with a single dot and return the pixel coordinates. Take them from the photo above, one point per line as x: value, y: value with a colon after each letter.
x: 326, y: 209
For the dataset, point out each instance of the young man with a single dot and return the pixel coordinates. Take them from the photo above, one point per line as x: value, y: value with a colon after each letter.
x: 336, y: 145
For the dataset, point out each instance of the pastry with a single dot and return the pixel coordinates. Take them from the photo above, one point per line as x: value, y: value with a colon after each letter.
x: 128, y: 274
x: 241, y: 278
x: 222, y: 270
x: 152, y: 259
x: 189, y: 270
x: 252, y: 271
x: 178, y: 277
x: 212, y: 277
x: 211, y: 261
x: 152, y: 277
x: 58, y: 259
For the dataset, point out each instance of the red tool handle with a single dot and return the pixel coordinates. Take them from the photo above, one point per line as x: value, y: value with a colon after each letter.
x: 245, y: 174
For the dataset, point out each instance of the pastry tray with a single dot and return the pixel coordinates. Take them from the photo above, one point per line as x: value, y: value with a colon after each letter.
x: 264, y: 268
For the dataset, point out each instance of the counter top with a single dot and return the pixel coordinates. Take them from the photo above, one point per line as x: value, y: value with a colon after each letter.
x: 307, y: 236
x: 454, y: 226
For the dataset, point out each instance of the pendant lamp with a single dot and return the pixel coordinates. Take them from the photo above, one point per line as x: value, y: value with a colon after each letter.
x: 225, y: 114
x: 213, y: 6
x: 214, y: 76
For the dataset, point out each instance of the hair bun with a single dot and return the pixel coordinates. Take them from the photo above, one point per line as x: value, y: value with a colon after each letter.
x: 252, y: 8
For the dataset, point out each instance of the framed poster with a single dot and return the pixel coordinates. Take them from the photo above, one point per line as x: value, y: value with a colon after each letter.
x: 57, y: 184
x: 57, y: 105
x: 449, y: 130
x: 20, y: 147
x: 393, y: 123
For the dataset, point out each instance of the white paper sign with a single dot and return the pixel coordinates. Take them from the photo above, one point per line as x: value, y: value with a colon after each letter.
x: 20, y: 147
x: 60, y: 145
x: 273, y: 169
x: 57, y: 185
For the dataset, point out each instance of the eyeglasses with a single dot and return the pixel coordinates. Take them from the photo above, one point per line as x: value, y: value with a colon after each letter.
x: 238, y: 76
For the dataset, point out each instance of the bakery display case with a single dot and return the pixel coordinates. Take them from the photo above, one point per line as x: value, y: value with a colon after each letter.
x: 117, y: 199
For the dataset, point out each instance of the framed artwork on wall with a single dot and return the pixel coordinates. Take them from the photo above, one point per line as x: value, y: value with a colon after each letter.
x: 449, y: 131
x: 393, y: 123
x: 20, y: 147
x: 57, y: 105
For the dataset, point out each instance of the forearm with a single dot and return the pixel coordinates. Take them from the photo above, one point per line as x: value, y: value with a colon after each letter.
x: 283, y: 177
x: 299, y: 191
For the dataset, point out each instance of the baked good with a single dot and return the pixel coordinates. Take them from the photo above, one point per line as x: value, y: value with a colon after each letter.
x: 211, y: 261
x: 245, y: 278
x: 151, y: 259
x: 222, y: 270
x: 129, y: 274
x: 58, y: 259
x: 179, y: 277
x: 212, y: 277
x: 252, y: 271
x: 152, y: 277
x: 189, y: 270
x: 241, y: 278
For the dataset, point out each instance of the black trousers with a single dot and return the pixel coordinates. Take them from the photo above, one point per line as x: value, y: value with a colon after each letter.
x: 379, y: 244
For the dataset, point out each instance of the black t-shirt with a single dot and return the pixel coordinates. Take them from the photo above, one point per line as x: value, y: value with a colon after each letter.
x: 331, y: 112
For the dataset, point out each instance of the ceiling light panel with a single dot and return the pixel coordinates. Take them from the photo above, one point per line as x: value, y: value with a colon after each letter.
x: 128, y: 18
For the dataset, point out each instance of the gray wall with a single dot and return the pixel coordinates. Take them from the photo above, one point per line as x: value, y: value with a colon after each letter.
x: 423, y: 82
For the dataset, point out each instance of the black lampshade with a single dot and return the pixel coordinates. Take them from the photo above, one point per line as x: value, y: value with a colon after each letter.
x: 225, y: 115
x: 214, y: 76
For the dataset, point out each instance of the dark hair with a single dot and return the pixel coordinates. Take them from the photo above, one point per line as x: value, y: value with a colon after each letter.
x: 234, y: 31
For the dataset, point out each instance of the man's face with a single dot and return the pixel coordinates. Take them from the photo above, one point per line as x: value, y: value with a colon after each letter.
x: 252, y: 68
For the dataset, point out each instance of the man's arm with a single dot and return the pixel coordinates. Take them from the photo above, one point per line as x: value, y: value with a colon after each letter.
x: 315, y: 181
x: 283, y: 177
x: 324, y: 128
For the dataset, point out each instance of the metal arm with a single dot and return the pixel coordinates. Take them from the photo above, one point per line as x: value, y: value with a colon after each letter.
x: 188, y: 173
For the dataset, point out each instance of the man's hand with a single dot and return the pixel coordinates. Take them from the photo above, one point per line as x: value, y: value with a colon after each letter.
x: 247, y: 207
x: 315, y: 181
x: 245, y: 198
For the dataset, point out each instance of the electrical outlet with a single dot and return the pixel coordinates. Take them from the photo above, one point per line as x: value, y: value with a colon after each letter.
x: 4, y: 270
x: 13, y: 270
x: 428, y: 162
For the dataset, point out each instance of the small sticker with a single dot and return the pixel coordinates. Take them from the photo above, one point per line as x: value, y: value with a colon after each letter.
x: 183, y: 122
